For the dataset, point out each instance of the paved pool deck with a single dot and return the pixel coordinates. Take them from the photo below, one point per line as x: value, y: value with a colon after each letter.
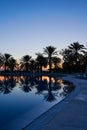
x: 70, y: 114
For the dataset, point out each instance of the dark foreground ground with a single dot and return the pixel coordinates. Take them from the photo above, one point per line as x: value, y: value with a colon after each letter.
x: 70, y: 114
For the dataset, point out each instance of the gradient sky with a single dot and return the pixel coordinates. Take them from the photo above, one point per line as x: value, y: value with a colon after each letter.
x: 27, y: 26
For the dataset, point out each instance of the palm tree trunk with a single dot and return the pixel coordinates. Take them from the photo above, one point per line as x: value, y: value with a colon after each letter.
x: 76, y: 62
x: 41, y: 68
x: 50, y: 64
x: 5, y: 66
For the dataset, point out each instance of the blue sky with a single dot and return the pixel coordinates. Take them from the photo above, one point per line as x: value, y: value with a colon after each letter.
x: 27, y: 26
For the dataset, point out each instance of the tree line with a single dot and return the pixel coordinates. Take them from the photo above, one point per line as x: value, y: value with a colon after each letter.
x: 74, y: 59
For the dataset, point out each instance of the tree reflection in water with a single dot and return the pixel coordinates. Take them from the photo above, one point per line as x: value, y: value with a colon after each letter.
x: 7, y: 84
x: 25, y: 84
x: 41, y: 85
x: 50, y: 96
x: 47, y: 86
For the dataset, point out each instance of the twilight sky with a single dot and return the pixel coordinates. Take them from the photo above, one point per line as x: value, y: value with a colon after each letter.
x: 27, y: 26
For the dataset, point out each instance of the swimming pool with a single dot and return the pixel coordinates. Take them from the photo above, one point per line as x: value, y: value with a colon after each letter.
x: 24, y: 98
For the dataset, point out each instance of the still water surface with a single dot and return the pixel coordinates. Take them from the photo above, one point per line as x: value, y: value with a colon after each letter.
x: 19, y: 95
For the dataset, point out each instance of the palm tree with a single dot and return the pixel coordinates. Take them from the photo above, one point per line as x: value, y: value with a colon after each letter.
x: 84, y: 61
x: 73, y: 56
x: 76, y: 49
x: 68, y: 60
x: 41, y: 61
x: 66, y: 53
x: 32, y: 65
x: 12, y: 63
x: 25, y: 60
x: 50, y: 51
x: 56, y: 61
x: 1, y: 59
x: 6, y: 60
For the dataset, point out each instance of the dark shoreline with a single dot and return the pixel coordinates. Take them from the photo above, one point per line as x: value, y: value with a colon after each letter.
x: 24, y: 73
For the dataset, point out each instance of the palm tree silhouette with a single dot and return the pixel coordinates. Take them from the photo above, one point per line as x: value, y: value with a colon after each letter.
x: 50, y: 51
x: 12, y: 63
x: 41, y: 61
x: 6, y: 60
x: 76, y: 49
x: 32, y: 65
x: 1, y: 59
x: 56, y: 61
x: 25, y: 61
x: 68, y: 59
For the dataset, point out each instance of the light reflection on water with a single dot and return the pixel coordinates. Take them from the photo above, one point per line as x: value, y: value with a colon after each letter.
x: 21, y: 94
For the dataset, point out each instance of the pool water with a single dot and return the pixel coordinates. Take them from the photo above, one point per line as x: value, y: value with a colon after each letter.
x: 19, y: 95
